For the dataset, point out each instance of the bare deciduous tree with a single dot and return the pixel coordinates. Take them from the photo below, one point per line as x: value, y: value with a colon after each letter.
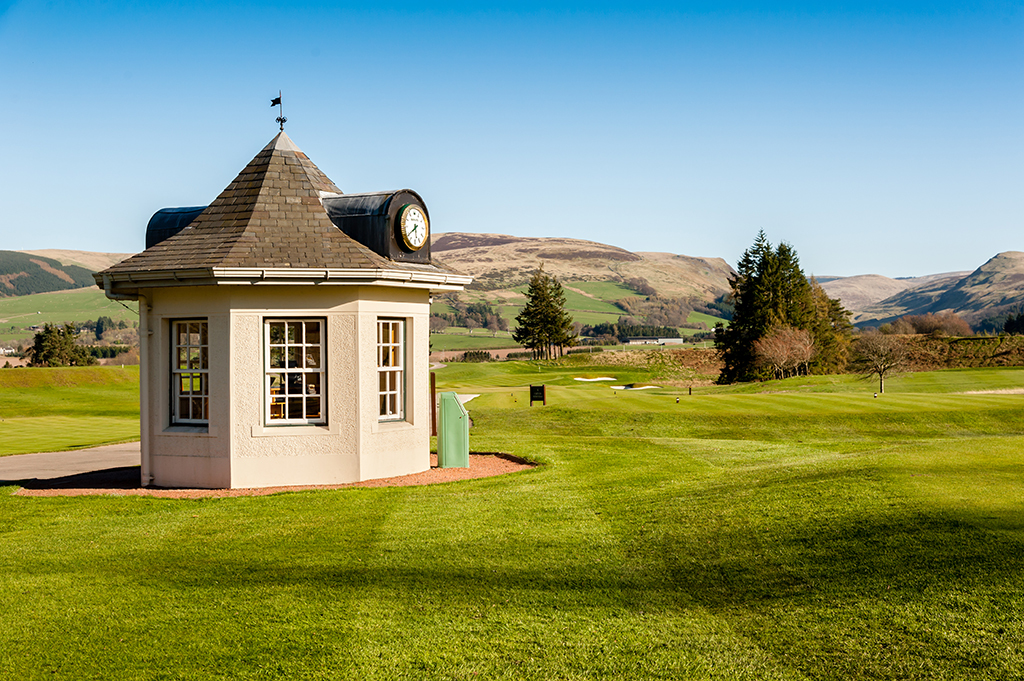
x: 785, y: 350
x: 880, y: 354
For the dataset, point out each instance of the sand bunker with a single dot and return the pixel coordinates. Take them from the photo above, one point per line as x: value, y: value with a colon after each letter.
x: 1001, y: 391
x: 603, y: 378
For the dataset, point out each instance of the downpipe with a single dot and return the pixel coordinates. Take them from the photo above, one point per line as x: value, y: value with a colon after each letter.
x: 145, y: 468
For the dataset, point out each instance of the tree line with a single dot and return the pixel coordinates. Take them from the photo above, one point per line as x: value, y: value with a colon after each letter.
x: 475, y: 315
x: 623, y: 330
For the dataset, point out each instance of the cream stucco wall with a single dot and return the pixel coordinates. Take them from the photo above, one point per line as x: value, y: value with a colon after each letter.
x: 239, y: 449
x: 188, y: 456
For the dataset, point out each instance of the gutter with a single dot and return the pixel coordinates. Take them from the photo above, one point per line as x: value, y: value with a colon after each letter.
x: 145, y: 465
x: 283, y: 275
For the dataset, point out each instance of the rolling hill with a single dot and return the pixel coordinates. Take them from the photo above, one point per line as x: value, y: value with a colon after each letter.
x: 595, y: 275
x: 23, y: 274
x: 90, y: 260
x: 502, y: 262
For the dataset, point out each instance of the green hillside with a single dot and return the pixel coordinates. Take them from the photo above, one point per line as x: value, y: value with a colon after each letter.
x: 591, y: 302
x: 22, y: 274
x: 19, y: 314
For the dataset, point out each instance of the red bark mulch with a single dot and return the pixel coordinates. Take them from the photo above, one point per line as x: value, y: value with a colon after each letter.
x: 125, y: 481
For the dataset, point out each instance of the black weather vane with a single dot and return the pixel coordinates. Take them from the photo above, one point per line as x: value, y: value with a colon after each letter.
x: 281, y: 120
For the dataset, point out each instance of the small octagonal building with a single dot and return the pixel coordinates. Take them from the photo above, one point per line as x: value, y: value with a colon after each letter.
x: 284, y: 331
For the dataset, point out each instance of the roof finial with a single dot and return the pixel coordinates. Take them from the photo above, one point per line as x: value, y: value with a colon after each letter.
x: 280, y: 118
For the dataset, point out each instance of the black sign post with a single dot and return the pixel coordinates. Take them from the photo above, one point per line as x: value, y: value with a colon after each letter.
x: 538, y: 393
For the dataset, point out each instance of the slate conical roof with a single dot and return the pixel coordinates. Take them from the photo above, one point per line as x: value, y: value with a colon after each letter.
x: 270, y: 216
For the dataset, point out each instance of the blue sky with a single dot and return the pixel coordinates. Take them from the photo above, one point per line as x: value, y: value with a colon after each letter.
x: 875, y: 137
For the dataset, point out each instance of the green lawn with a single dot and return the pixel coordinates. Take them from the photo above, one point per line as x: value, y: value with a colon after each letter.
x: 43, y: 409
x: 19, y: 314
x: 803, y: 530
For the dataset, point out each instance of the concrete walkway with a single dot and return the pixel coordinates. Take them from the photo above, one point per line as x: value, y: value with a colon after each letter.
x: 48, y: 465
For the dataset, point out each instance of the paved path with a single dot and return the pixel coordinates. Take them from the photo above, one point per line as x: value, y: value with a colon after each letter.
x: 48, y: 465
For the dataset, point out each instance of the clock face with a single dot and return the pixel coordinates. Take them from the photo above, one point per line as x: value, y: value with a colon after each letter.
x: 414, y: 228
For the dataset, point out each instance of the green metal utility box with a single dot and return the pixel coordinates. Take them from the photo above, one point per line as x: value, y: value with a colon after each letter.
x: 452, y: 433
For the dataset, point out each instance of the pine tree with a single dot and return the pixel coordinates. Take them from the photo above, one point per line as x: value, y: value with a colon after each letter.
x: 559, y: 321
x: 55, y: 347
x: 832, y: 332
x: 771, y: 292
x: 543, y: 325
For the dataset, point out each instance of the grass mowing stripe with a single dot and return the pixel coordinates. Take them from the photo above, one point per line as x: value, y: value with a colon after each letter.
x: 61, y: 433
x: 258, y: 582
x: 56, y: 409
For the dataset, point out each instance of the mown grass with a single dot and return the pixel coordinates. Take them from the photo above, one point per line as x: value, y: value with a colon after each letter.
x: 55, y: 409
x: 732, y: 535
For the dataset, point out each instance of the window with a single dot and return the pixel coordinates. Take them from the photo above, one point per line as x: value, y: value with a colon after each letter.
x: 390, y: 368
x: 190, y: 372
x: 294, y: 371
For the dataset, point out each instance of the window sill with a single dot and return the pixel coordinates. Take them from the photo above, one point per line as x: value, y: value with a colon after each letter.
x: 392, y: 425
x: 285, y: 430
x: 202, y: 431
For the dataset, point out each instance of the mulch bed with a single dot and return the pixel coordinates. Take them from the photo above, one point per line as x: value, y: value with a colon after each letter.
x: 124, y: 481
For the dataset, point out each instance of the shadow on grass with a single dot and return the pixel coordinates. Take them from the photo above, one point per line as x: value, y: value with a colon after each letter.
x: 854, y: 559
x: 899, y: 558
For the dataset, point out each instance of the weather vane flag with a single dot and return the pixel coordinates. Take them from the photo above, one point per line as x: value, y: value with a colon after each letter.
x: 276, y: 101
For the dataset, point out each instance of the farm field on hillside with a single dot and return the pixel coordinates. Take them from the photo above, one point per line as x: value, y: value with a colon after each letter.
x: 583, y: 309
x: 455, y: 338
x: 803, y: 530
x: 19, y: 314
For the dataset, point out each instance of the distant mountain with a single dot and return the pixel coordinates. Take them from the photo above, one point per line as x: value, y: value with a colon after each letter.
x: 90, y: 260
x: 23, y: 274
x: 865, y: 291
x: 499, y: 261
x: 994, y: 288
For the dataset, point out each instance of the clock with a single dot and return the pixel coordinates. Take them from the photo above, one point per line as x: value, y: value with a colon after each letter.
x: 413, y: 226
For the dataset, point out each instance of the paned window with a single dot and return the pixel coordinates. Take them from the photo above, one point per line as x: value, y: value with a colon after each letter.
x: 391, y: 368
x: 190, y: 367
x: 294, y: 371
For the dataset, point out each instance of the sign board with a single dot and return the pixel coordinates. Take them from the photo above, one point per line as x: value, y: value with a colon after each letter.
x: 538, y: 393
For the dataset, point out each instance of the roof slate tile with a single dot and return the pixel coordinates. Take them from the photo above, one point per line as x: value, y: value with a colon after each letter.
x: 270, y: 215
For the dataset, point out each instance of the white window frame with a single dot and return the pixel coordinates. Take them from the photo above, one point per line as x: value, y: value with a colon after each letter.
x: 391, y: 369
x: 294, y: 372
x: 190, y: 372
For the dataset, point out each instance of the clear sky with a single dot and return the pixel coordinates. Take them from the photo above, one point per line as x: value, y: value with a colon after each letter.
x: 879, y: 138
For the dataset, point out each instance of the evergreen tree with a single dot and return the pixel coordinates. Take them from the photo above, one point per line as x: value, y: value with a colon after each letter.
x: 770, y: 292
x: 102, y: 325
x: 55, y: 347
x: 560, y: 322
x: 543, y: 324
x: 832, y: 331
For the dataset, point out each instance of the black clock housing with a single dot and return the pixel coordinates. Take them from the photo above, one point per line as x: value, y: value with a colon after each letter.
x: 372, y: 219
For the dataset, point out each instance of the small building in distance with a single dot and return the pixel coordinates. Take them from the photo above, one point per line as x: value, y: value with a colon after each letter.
x: 654, y: 340
x: 284, y: 331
